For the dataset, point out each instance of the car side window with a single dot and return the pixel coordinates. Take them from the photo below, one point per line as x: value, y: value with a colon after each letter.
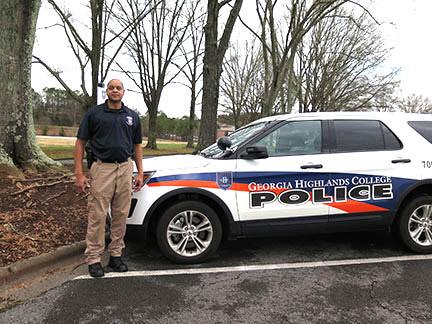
x: 294, y: 138
x: 424, y: 128
x: 364, y: 135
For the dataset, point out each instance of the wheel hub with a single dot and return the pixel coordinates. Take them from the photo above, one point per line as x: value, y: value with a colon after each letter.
x: 189, y: 232
x: 420, y: 225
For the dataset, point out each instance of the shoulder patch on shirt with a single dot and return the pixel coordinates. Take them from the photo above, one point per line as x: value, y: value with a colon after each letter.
x: 129, y: 120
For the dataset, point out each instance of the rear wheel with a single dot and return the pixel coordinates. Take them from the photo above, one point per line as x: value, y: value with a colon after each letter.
x: 415, y: 224
x: 189, y: 232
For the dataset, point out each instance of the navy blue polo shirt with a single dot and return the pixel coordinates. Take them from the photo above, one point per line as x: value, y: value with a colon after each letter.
x: 112, y: 132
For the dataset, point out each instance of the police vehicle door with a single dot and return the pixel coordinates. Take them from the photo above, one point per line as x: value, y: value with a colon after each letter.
x: 289, y: 187
x: 374, y: 169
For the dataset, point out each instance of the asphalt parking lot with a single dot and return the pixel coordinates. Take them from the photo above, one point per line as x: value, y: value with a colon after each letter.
x: 349, y: 278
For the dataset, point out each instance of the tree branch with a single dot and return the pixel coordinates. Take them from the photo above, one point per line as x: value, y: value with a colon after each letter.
x: 59, y: 79
x: 75, y: 34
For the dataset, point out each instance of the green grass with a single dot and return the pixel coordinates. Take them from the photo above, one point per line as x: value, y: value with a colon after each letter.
x: 66, y: 152
x: 59, y: 152
x: 10, y: 306
x: 57, y: 148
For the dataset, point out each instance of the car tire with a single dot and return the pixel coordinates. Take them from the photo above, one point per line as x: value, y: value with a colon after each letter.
x: 414, y: 224
x: 189, y: 232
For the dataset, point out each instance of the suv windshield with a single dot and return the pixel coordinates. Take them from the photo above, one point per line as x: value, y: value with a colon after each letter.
x: 238, y: 137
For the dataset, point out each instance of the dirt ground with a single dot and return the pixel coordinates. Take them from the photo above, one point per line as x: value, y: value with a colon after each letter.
x: 70, y: 141
x: 39, y: 213
x: 55, y: 140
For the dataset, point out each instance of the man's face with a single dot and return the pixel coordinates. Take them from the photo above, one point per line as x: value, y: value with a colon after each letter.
x: 115, y: 91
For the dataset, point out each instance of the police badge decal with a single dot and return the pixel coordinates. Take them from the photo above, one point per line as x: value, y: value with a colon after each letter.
x: 224, y: 180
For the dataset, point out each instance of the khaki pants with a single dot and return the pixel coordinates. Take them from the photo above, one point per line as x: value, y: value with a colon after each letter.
x: 110, y: 184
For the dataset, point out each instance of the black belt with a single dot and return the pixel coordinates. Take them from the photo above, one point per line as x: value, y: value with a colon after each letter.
x: 117, y: 161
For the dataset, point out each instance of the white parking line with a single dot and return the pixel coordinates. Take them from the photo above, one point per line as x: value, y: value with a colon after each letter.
x: 317, y: 264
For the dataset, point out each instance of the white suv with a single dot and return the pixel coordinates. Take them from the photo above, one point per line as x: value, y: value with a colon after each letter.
x: 289, y: 174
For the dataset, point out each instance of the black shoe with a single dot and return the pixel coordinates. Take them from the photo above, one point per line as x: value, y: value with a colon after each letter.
x: 117, y: 264
x: 96, y: 270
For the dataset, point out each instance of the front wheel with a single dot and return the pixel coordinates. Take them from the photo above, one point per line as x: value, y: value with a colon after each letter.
x: 189, y: 232
x: 415, y: 225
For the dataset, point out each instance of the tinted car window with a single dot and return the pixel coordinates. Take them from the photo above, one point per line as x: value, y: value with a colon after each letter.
x: 364, y: 135
x: 424, y: 128
x: 390, y: 140
x: 293, y: 138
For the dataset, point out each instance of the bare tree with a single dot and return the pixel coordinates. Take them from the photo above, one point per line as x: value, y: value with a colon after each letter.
x: 214, y: 53
x: 94, y: 51
x: 280, y: 47
x: 192, y: 51
x: 241, y: 86
x: 153, y: 47
x: 18, y: 146
x: 338, y: 66
x: 386, y: 100
x: 415, y: 104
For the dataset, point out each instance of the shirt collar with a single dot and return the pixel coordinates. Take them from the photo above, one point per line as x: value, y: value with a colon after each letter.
x: 107, y: 109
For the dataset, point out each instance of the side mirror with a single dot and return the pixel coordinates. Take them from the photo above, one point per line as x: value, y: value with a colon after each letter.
x: 255, y: 152
x: 224, y: 142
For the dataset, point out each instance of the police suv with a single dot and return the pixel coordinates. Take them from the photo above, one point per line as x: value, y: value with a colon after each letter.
x: 289, y: 174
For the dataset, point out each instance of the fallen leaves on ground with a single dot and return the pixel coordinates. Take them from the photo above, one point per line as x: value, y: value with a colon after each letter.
x: 38, y: 214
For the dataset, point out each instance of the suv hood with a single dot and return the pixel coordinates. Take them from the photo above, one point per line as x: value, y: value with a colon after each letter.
x: 184, y: 161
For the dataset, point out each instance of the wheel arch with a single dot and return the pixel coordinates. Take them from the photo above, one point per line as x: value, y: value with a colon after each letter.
x: 423, y: 187
x: 230, y: 228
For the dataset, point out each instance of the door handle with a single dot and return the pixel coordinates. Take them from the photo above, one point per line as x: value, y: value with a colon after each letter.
x: 311, y: 166
x: 401, y: 161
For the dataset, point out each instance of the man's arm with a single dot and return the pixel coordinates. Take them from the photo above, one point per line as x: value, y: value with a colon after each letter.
x: 139, y: 179
x: 81, y: 181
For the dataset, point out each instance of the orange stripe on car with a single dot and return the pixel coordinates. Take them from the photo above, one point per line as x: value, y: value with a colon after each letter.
x: 185, y: 183
x: 352, y: 206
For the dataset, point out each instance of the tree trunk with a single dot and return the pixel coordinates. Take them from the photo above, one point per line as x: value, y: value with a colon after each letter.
x: 213, y: 58
x: 95, y: 56
x: 210, y: 97
x: 151, y: 139
x: 18, y: 146
x: 190, y: 143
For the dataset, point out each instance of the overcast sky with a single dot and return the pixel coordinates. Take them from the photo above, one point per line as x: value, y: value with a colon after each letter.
x: 410, y: 37
x: 405, y: 24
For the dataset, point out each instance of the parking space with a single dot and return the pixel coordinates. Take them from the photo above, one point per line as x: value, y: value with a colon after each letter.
x: 276, y: 250
x: 349, y: 278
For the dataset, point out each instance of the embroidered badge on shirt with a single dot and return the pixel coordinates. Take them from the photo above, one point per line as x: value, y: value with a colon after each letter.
x: 129, y: 120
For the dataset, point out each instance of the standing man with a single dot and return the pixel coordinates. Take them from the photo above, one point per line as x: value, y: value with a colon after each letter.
x: 114, y: 132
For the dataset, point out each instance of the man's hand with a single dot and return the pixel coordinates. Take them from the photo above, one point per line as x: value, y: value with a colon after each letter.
x: 82, y: 183
x: 138, y: 183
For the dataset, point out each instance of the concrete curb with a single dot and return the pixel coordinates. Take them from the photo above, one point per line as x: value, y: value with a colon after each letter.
x: 31, y: 268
